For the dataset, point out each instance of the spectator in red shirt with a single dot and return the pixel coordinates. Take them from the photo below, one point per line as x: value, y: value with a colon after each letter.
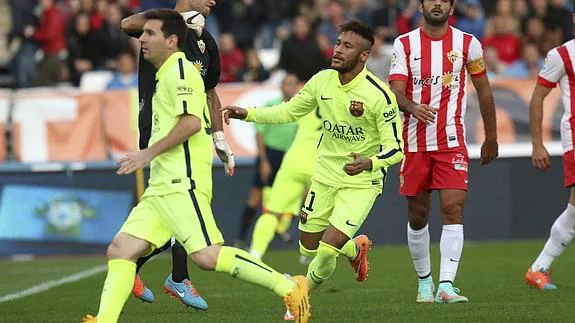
x: 507, y: 45
x: 231, y: 58
x: 51, y: 37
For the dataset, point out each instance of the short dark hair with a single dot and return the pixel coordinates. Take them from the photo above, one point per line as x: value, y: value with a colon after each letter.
x: 172, y: 23
x: 359, y: 28
x: 452, y: 2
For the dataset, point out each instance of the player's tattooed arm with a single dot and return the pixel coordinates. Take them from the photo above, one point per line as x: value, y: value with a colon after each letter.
x: 490, y: 148
x: 215, y: 106
x: 133, y: 25
x: 422, y: 112
x: 223, y: 150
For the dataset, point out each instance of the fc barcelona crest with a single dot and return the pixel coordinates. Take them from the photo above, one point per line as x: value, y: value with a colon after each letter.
x: 202, y: 46
x: 303, y: 217
x: 356, y: 108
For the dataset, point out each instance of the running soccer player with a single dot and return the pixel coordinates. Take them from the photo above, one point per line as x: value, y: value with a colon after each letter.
x: 558, y: 69
x: 290, y: 184
x: 177, y: 199
x: 429, y: 69
x: 201, y: 49
x: 272, y: 142
x: 360, y: 140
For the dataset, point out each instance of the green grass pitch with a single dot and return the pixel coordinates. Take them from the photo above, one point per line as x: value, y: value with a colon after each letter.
x: 490, y: 274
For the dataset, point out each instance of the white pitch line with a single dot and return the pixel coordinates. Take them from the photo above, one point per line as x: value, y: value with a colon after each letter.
x: 53, y: 283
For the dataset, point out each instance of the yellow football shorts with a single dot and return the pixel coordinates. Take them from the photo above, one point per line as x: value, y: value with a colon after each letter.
x: 346, y: 208
x: 287, y: 192
x: 187, y: 216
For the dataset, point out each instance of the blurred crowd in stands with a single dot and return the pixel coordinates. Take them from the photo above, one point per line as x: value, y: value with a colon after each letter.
x: 56, y: 41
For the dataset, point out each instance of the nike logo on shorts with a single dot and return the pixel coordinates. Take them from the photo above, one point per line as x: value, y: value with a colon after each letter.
x: 348, y: 223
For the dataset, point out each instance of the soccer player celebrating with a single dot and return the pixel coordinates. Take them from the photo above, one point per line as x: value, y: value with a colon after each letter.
x: 428, y: 75
x: 558, y: 69
x: 290, y: 184
x: 177, y: 199
x: 201, y: 49
x: 360, y: 140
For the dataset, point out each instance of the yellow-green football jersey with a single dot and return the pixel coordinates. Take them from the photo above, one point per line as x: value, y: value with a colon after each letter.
x: 360, y: 117
x: 302, y: 153
x: 179, y: 91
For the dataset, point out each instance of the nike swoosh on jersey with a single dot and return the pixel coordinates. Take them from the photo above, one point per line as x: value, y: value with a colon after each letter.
x: 348, y: 223
x: 324, y: 98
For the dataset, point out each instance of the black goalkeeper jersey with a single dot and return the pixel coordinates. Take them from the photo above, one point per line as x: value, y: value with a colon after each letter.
x: 201, y: 51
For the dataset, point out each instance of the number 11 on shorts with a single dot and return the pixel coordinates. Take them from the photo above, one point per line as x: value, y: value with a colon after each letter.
x: 309, y: 206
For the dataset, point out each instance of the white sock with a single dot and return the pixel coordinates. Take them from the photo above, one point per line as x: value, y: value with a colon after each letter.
x: 562, y: 233
x: 450, y: 247
x: 418, y: 242
x: 256, y: 254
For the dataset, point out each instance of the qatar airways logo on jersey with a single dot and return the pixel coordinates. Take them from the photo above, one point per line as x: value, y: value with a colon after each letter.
x: 447, y: 80
x: 344, y: 132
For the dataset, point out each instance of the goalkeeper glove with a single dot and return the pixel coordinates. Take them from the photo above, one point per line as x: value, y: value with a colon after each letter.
x: 224, y: 152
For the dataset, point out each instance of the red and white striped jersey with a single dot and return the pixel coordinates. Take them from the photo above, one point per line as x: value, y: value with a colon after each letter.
x: 559, y: 69
x: 434, y: 71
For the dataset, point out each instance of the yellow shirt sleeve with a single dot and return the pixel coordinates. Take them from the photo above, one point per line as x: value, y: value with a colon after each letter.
x: 300, y: 105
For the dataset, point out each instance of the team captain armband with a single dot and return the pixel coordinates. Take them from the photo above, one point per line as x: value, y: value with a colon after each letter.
x: 476, y: 67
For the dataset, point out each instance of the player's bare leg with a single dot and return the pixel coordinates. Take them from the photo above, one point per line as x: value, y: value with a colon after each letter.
x: 451, y: 244
x: 122, y: 254
x: 240, y: 264
x: 418, y: 243
x: 562, y: 232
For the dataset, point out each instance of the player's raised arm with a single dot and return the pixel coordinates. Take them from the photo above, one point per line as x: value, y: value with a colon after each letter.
x: 300, y: 105
x: 476, y: 68
x: 389, y: 125
x: 398, y: 79
x: 133, y: 25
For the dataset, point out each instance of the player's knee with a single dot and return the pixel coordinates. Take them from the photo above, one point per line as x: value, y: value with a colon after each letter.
x: 124, y: 248
x: 418, y: 211
x: 418, y: 216
x: 115, y: 250
x: 452, y: 213
x: 206, y: 258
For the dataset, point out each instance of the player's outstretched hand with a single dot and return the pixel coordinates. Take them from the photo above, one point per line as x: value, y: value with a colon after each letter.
x: 133, y: 161
x: 489, y: 151
x: 233, y: 112
x: 424, y: 113
x: 224, y: 152
x: 540, y: 157
x: 358, y: 165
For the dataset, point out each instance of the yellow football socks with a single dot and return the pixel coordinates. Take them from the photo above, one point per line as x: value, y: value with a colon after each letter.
x: 240, y: 264
x: 117, y: 288
x: 264, y: 232
x: 323, y: 265
x: 285, y: 223
x: 349, y: 249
